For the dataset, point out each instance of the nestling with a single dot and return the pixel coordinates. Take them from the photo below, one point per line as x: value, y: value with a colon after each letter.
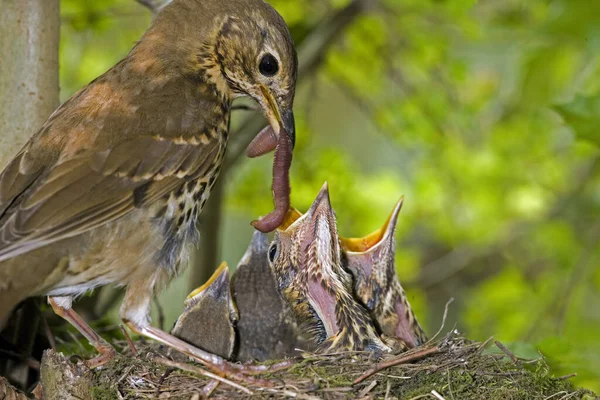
x: 371, y: 261
x: 245, y: 319
x: 109, y: 189
x: 306, y: 260
x: 209, y: 317
x: 265, y: 328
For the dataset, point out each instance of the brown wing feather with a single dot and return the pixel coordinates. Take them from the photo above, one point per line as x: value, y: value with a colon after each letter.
x: 94, y: 188
x: 15, y: 179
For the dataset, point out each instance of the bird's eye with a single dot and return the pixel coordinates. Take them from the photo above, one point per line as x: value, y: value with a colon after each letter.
x: 272, y: 252
x: 268, y: 65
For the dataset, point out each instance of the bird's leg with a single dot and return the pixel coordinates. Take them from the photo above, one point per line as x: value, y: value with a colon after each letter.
x: 217, y: 364
x: 134, y: 313
x: 62, y: 306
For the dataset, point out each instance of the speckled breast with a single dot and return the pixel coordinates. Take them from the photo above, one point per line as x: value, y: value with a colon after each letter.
x: 178, y: 218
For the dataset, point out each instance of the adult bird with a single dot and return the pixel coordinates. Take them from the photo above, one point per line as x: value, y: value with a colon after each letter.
x: 109, y: 189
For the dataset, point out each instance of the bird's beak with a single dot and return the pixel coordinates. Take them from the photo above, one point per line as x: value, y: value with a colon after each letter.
x: 320, y: 237
x: 215, y: 291
x: 321, y: 207
x: 281, y: 119
x: 383, y: 234
x: 259, y: 245
x: 321, y: 219
x: 216, y: 285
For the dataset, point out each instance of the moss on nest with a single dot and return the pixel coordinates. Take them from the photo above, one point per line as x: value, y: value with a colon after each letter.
x: 461, y: 369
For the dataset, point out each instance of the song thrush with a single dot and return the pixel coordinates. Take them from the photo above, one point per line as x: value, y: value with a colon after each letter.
x: 371, y: 261
x: 306, y: 259
x: 109, y: 189
x: 244, y: 319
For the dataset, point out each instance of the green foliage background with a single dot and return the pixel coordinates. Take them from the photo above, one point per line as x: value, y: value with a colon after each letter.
x: 484, y: 114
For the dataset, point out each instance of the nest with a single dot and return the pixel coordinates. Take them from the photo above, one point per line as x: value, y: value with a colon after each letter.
x: 450, y: 368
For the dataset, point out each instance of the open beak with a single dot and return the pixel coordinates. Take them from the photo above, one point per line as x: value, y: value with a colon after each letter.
x: 321, y: 229
x: 320, y: 239
x: 216, y: 285
x: 321, y: 207
x: 281, y: 119
x: 385, y: 233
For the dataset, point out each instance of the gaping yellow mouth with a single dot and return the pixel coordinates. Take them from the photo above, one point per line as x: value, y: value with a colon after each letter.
x: 359, y: 245
x: 365, y: 243
x: 223, y: 266
x: 292, y: 216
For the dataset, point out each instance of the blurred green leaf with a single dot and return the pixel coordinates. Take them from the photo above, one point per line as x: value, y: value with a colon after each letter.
x: 583, y: 116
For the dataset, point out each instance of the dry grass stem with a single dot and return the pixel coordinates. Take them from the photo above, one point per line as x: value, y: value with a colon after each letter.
x: 437, y: 395
x: 129, y: 341
x: 197, y: 370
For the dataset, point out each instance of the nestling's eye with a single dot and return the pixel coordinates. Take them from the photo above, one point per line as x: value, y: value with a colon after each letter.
x: 268, y: 65
x: 272, y: 251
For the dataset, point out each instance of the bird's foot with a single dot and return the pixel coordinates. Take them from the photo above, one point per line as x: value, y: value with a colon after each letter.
x: 107, y: 353
x: 62, y: 307
x: 220, y: 366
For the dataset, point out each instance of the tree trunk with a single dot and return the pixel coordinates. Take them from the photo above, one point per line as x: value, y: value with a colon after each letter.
x: 29, y: 36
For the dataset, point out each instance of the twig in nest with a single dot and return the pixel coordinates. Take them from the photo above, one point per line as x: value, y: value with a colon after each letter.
x: 387, y: 390
x: 209, y: 388
x: 327, y: 356
x: 161, y: 380
x: 295, y: 395
x: 417, y: 355
x: 449, y: 383
x: 443, y: 320
x: 484, y: 344
x: 125, y: 374
x: 366, y: 390
x: 556, y: 394
x: 564, y: 377
x: 508, y: 353
x: 437, y: 395
x: 129, y: 341
x: 200, y: 371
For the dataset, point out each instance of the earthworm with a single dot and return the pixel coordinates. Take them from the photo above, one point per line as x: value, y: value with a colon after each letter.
x: 264, y: 142
x: 280, y: 186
